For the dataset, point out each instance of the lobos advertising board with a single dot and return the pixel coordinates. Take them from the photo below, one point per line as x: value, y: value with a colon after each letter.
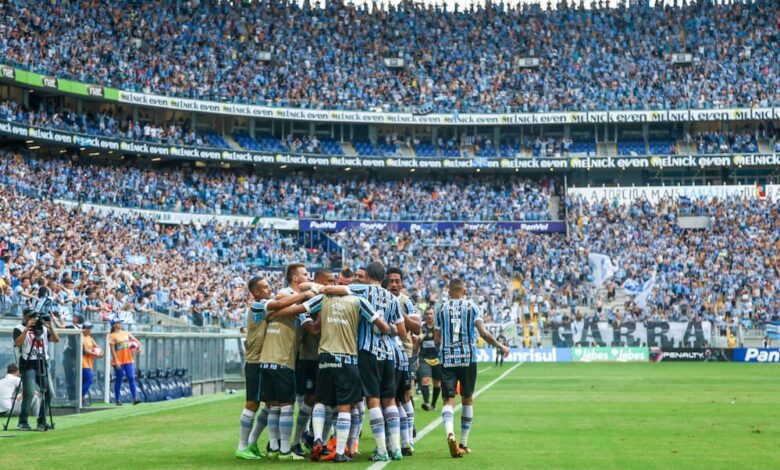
x: 610, y: 355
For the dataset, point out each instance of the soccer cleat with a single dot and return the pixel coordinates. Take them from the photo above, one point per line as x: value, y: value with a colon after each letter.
x: 426, y: 407
x: 290, y: 456
x: 42, y: 427
x: 355, y: 449
x: 308, y: 440
x: 256, y: 450
x: 136, y: 401
x: 396, y: 454
x: 380, y: 457
x: 298, y: 450
x: 316, y: 451
x: 407, y: 451
x: 455, y: 452
x: 246, y: 455
x: 119, y: 403
x: 270, y: 453
x: 23, y: 427
x: 464, y: 449
x: 327, y: 454
x: 342, y: 458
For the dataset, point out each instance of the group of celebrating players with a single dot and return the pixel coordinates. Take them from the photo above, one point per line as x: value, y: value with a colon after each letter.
x: 342, y: 345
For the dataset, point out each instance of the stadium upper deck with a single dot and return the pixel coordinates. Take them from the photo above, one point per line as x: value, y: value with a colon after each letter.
x: 333, y: 57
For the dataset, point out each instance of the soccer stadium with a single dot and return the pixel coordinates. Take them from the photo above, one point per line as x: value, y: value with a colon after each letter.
x: 449, y: 233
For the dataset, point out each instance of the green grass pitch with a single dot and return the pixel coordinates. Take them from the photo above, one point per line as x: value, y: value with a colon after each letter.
x: 537, y: 416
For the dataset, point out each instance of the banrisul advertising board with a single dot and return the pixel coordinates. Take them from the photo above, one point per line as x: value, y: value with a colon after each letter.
x: 610, y: 355
x: 527, y: 355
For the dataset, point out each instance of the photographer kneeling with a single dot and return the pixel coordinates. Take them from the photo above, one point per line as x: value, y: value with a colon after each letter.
x: 32, y: 338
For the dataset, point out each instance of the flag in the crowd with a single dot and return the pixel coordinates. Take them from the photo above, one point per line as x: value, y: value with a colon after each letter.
x: 602, y: 268
x: 640, y: 291
x: 760, y: 190
x: 773, y: 330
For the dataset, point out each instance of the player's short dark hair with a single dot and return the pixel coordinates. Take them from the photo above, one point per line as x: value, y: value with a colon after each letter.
x: 12, y: 368
x: 320, y: 273
x: 254, y: 282
x: 457, y: 284
x: 346, y: 272
x: 376, y: 271
x: 394, y: 270
x: 291, y: 268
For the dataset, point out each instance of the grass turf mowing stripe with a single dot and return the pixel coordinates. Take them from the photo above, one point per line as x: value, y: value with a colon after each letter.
x: 436, y: 422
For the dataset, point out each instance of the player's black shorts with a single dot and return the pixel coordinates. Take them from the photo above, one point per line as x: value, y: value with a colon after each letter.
x: 466, y: 375
x: 403, y: 384
x: 252, y: 374
x: 306, y: 376
x: 427, y: 370
x: 278, y: 383
x: 338, y: 380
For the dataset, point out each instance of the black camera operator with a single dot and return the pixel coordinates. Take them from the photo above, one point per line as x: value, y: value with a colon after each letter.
x: 32, y: 338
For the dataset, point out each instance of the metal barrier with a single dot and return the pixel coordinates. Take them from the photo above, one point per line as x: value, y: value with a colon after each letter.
x: 207, y: 357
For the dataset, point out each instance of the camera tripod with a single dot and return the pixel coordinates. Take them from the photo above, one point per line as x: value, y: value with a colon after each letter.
x: 42, y: 379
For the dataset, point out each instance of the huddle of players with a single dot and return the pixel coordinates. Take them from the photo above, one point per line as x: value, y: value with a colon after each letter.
x: 335, y: 343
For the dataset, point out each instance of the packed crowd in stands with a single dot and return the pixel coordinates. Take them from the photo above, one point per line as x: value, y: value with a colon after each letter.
x: 726, y: 142
x: 107, y: 125
x: 105, y: 266
x: 118, y: 266
x: 730, y: 270
x: 456, y: 60
x: 292, y: 196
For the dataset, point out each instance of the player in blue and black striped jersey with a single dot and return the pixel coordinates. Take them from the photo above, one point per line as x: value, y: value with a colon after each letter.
x: 376, y: 358
x: 458, y: 321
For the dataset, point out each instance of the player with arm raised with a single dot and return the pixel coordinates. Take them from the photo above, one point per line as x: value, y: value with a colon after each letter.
x: 261, y: 306
x: 376, y: 359
x: 340, y: 323
x: 457, y: 322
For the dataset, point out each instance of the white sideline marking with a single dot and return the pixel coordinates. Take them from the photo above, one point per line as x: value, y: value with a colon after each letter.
x: 436, y: 422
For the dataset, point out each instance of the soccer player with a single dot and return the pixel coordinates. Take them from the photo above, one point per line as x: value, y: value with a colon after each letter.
x: 256, y: 330
x: 430, y: 366
x: 395, y: 284
x: 341, y: 320
x: 376, y: 358
x: 306, y: 364
x: 121, y: 343
x: 456, y: 320
x: 346, y: 277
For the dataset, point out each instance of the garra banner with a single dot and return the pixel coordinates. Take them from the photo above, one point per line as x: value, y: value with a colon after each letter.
x: 663, y: 334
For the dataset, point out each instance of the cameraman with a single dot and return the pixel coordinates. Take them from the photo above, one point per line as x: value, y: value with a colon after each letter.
x: 32, y: 338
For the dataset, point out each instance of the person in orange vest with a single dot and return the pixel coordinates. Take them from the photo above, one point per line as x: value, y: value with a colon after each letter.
x: 123, y: 344
x: 90, y: 351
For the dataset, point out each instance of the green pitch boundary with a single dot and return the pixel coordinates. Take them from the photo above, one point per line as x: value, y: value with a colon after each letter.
x: 120, y: 412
